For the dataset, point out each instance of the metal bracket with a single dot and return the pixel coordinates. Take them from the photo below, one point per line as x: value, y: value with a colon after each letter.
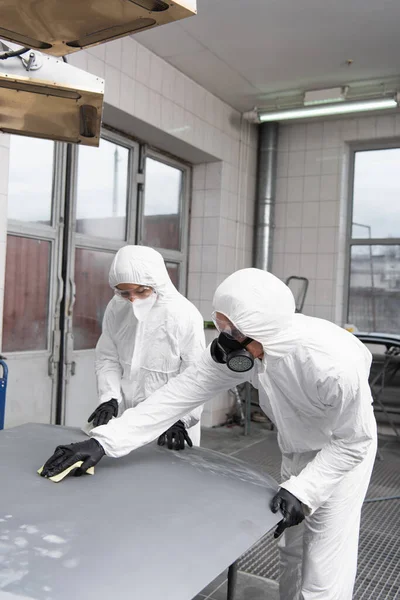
x: 55, y: 353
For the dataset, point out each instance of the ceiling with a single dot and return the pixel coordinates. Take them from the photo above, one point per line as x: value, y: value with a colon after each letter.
x: 245, y: 50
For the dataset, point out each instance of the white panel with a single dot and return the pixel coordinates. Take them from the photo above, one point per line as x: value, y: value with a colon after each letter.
x: 308, y: 266
x: 169, y: 41
x: 310, y: 214
x: 329, y: 187
x: 281, y: 190
x: 127, y: 96
x: 327, y: 239
x: 331, y: 135
x: 221, y: 79
x: 312, y: 162
x: 297, y: 137
x: 293, y: 240
x: 312, y: 186
x: 29, y: 390
x: 296, y: 163
x: 314, y: 136
x: 330, y: 161
x: 112, y: 85
x: 208, y: 286
x: 295, y: 189
x: 114, y: 54
x: 128, y: 56
x: 309, y: 240
x: 282, y: 164
x: 196, y: 231
x: 326, y: 266
x: 324, y: 295
x: 96, y: 66
x: 194, y: 259
x: 328, y: 214
x: 210, y: 259
x: 210, y: 230
x: 212, y: 207
x: 213, y: 176
x: 82, y: 390
x: 293, y: 214
x: 4, y: 162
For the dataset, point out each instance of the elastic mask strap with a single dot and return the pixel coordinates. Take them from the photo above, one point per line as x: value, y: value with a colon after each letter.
x: 246, y: 342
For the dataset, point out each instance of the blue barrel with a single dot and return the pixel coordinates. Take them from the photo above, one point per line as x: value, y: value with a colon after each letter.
x: 3, y: 389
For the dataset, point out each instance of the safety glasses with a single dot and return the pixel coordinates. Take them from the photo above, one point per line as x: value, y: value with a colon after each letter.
x: 224, y: 325
x: 142, y: 291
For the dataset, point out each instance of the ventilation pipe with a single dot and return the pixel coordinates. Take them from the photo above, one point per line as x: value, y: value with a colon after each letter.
x: 266, y: 189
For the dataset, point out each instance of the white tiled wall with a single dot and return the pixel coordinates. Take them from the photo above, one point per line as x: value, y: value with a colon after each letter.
x: 312, y: 200
x: 221, y: 229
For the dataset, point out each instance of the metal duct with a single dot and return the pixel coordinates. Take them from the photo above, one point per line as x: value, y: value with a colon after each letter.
x: 59, y: 27
x: 42, y: 96
x: 265, y: 202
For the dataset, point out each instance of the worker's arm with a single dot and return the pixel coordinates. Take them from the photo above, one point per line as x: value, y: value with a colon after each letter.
x: 192, y: 343
x: 348, y: 398
x: 144, y: 423
x: 107, y: 365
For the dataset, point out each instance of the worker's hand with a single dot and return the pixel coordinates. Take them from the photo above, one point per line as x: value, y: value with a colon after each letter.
x: 291, y: 509
x: 175, y: 437
x: 104, y: 413
x: 90, y: 452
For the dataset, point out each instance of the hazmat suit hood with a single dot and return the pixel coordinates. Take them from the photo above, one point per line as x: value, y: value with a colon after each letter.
x: 260, y: 306
x: 143, y: 266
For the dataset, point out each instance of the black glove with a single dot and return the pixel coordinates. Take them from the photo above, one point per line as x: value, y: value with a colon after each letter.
x: 104, y: 413
x: 90, y: 451
x: 291, y: 509
x: 175, y: 437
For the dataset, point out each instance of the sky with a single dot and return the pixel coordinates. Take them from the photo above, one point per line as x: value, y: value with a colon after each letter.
x: 31, y: 173
x: 377, y: 193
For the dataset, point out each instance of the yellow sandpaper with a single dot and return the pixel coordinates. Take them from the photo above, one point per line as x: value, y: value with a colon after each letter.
x: 60, y: 476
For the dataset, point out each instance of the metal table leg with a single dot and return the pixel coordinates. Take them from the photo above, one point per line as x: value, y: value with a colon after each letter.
x: 232, y: 578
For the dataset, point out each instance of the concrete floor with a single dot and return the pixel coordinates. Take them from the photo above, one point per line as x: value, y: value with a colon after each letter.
x: 231, y: 441
x: 378, y: 575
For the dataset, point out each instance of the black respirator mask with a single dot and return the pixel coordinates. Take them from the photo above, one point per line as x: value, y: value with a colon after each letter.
x: 225, y: 350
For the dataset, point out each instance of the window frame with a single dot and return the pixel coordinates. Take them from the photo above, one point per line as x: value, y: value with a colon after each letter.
x: 350, y: 241
x: 47, y: 233
x: 179, y: 257
x: 99, y: 243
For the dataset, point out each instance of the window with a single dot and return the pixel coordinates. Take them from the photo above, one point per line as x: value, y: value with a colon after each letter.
x: 30, y: 182
x: 164, y: 213
x: 26, y: 294
x: 374, y: 290
x: 93, y: 293
x: 162, y: 205
x: 102, y: 191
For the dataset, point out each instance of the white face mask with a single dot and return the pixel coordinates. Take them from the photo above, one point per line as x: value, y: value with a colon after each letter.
x: 141, y: 308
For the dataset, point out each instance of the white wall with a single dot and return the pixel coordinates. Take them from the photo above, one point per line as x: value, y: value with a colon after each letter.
x: 311, y: 204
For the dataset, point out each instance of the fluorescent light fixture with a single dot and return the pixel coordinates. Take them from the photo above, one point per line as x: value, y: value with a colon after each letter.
x: 341, y: 108
x: 327, y: 96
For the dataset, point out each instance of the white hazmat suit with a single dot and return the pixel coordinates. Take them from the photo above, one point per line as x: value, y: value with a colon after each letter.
x: 134, y: 358
x: 313, y: 384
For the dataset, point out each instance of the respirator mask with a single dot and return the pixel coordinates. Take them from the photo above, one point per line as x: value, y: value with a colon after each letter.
x: 229, y: 348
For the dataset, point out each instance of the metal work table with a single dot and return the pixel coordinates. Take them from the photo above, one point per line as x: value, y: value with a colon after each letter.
x: 154, y: 524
